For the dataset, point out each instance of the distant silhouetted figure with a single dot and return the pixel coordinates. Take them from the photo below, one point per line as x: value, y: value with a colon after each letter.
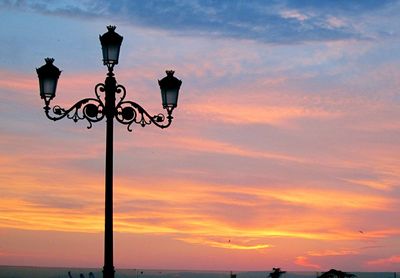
x: 276, y: 272
x: 233, y: 275
x: 91, y: 275
x: 333, y: 273
x: 81, y: 276
x: 69, y: 274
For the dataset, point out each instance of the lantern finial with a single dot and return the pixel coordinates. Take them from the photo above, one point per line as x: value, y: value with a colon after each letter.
x: 111, y: 28
x: 170, y: 72
x: 49, y: 60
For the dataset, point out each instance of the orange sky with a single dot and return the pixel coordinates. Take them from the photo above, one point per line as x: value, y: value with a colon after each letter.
x: 279, y: 154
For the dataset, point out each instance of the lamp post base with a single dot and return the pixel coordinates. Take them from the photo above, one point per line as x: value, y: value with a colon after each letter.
x: 108, y: 272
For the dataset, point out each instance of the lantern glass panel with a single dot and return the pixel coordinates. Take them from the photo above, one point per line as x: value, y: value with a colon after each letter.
x: 48, y: 87
x: 111, y: 54
x: 170, y: 97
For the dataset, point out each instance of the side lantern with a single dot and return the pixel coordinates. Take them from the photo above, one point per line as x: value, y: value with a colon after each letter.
x: 48, y: 75
x: 170, y: 86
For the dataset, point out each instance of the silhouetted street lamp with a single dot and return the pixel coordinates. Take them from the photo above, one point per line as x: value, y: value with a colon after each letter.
x: 109, y: 102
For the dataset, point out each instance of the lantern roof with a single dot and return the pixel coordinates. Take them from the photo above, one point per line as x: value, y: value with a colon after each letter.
x: 170, y: 81
x: 111, y: 37
x: 48, y: 69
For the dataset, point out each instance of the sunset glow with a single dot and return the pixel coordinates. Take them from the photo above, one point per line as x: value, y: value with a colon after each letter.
x: 284, y: 150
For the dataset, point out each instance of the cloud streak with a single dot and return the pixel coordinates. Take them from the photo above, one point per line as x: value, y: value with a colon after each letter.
x: 278, y: 22
x: 384, y: 262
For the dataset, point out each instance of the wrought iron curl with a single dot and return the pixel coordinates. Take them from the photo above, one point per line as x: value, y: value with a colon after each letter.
x: 93, y: 110
x: 129, y: 112
x: 89, y: 109
x: 99, y: 90
x: 121, y: 90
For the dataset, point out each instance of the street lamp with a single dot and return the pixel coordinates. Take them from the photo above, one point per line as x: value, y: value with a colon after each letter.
x: 105, y: 104
x: 110, y: 45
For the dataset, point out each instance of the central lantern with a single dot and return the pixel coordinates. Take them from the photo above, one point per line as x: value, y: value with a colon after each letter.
x: 110, y: 44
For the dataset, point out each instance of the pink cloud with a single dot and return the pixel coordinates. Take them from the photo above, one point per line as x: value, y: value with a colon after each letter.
x: 69, y: 88
x: 305, y: 262
x: 256, y: 114
x: 336, y: 22
x: 24, y: 83
x: 384, y: 262
x: 340, y: 252
x: 213, y: 146
x: 294, y: 14
x: 221, y: 242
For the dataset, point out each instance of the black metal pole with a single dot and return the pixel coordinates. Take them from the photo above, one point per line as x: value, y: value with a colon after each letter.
x: 110, y: 89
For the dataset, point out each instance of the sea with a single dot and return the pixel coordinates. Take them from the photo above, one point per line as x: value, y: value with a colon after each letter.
x: 59, y: 272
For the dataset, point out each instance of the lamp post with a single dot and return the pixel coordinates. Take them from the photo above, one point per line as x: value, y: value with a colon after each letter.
x: 109, y: 102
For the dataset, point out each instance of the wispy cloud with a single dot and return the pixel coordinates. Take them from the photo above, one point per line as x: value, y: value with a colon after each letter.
x: 275, y: 22
x: 376, y: 184
x: 304, y: 262
x: 232, y: 243
x: 341, y: 252
x: 212, y: 146
x: 168, y: 209
x: 320, y: 259
x: 385, y: 262
x: 257, y: 114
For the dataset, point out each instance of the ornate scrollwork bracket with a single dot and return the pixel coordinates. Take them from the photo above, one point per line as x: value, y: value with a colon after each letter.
x: 129, y: 112
x: 93, y: 110
x: 89, y: 109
